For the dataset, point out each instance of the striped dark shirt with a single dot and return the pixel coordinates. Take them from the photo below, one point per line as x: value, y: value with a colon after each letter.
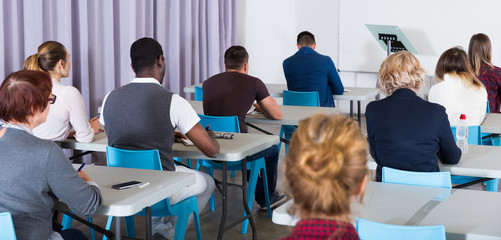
x: 491, y: 78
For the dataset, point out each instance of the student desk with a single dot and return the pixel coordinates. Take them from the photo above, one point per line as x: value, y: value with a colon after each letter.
x: 466, y: 214
x: 127, y: 202
x: 351, y: 94
x: 239, y: 148
x: 291, y: 115
x: 491, y: 123
x: 480, y: 161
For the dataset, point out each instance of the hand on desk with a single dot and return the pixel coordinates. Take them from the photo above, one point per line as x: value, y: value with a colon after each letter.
x: 94, y: 124
x: 211, y: 133
x: 257, y: 108
x: 178, y: 136
x: 84, y: 176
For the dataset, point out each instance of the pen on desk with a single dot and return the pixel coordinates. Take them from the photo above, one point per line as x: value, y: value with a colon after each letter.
x: 80, y: 168
x: 144, y: 184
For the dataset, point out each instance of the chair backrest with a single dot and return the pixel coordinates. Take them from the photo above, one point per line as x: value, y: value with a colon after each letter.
x: 141, y: 159
x: 220, y: 123
x: 7, y: 227
x: 199, y: 93
x: 427, y: 179
x: 369, y: 230
x: 474, y: 135
x: 310, y: 99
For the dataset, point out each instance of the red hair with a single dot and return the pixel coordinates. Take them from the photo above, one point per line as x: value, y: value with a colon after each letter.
x: 24, y: 93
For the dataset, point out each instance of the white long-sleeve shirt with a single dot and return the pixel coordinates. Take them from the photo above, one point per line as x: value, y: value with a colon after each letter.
x: 460, y: 99
x: 66, y: 113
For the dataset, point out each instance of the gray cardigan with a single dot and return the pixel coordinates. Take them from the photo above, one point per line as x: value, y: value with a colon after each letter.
x: 34, y: 174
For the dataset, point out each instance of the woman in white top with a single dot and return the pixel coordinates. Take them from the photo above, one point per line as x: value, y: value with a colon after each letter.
x: 69, y: 111
x: 457, y: 88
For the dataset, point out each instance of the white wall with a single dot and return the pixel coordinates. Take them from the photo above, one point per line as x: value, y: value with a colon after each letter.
x: 268, y: 30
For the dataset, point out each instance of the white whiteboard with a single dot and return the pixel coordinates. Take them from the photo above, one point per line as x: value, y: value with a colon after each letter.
x: 432, y: 26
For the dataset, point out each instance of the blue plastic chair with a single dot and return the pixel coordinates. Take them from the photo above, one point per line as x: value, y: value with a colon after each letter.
x: 150, y: 159
x: 369, y: 230
x: 427, y: 179
x: 7, y: 231
x: 199, y: 93
x: 474, y: 138
x: 230, y: 124
x: 221, y: 124
x: 292, y: 98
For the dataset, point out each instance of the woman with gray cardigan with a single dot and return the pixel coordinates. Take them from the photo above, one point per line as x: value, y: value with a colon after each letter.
x: 35, y: 173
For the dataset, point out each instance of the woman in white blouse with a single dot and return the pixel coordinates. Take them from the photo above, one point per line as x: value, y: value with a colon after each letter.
x: 457, y: 88
x: 69, y: 111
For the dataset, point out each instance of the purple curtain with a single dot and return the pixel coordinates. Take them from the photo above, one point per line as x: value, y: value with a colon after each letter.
x: 98, y: 33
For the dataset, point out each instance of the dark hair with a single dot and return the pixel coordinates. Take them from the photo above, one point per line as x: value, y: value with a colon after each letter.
x: 144, y: 52
x: 305, y: 38
x: 24, y: 93
x: 480, y: 52
x: 235, y: 57
x: 455, y: 61
x: 49, y: 53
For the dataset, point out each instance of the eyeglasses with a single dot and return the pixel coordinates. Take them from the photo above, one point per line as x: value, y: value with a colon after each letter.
x: 52, y: 99
x: 224, y: 135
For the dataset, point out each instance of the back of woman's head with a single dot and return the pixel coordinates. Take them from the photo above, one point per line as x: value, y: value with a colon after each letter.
x: 480, y: 52
x: 325, y: 165
x: 49, y: 53
x: 400, y: 70
x: 24, y: 93
x: 454, y: 61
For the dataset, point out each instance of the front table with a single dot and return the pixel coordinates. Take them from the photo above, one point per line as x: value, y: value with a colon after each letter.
x: 480, y: 161
x: 466, y: 214
x: 291, y: 115
x: 492, y: 123
x: 127, y: 202
x: 239, y: 148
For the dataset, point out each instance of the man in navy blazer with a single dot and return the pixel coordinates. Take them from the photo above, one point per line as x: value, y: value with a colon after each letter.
x: 308, y: 71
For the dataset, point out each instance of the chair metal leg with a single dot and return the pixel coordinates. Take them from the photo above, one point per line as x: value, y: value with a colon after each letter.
x: 225, y: 202
x: 149, y: 234
x: 244, y: 198
x: 212, y: 205
x: 258, y: 166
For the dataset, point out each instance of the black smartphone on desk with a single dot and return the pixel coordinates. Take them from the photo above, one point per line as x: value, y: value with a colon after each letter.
x: 126, y: 185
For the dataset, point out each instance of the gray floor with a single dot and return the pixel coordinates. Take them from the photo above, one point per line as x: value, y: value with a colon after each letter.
x: 266, y: 229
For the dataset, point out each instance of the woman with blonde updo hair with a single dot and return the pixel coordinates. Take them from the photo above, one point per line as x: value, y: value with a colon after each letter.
x: 325, y: 170
x: 404, y: 131
x: 69, y: 110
